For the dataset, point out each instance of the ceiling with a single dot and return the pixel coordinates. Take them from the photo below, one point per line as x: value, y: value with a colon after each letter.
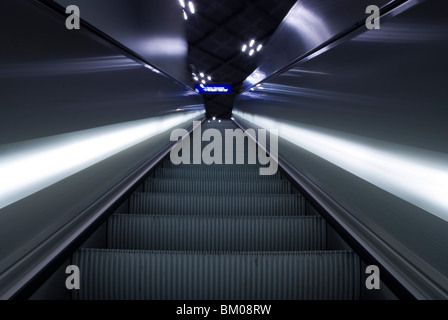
x: 216, y: 32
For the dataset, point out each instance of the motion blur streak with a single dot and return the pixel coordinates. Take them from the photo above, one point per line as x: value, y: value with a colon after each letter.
x: 68, y: 67
x: 30, y: 166
x: 415, y: 175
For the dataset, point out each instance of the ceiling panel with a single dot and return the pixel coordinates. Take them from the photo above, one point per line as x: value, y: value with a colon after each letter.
x: 215, y: 35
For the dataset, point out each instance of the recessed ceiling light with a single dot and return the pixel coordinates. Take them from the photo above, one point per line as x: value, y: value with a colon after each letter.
x: 191, y: 6
x: 196, y: 79
x: 244, y: 48
x: 252, y: 42
x: 259, y: 47
x: 182, y: 3
x: 202, y: 75
x: 251, y: 52
x: 185, y: 15
x: 203, y: 81
x: 209, y: 78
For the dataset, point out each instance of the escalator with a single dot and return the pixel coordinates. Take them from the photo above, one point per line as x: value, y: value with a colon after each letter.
x: 217, y: 232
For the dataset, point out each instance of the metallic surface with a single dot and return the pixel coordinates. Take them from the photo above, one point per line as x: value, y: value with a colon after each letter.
x: 186, y: 204
x: 55, y: 82
x: 309, y: 26
x: 199, y: 173
x: 216, y: 233
x: 384, y: 88
x: 217, y: 186
x: 155, y: 275
x: 153, y: 29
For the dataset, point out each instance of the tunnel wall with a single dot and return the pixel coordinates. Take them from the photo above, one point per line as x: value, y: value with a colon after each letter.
x: 63, y: 88
x: 384, y: 90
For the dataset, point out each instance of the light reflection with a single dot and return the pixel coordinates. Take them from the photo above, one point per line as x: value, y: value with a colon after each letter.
x: 311, y: 27
x: 30, y: 166
x: 294, y: 72
x: 165, y: 46
x: 69, y: 66
x: 256, y: 77
x: 280, y: 92
x: 412, y: 32
x: 415, y: 175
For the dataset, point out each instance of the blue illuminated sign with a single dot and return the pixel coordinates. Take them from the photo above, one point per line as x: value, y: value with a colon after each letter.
x: 213, y: 88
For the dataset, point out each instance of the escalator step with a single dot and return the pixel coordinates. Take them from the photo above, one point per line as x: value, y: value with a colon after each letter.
x: 245, y: 166
x: 217, y: 186
x: 226, y: 173
x: 202, y: 233
x: 124, y: 275
x: 198, y: 204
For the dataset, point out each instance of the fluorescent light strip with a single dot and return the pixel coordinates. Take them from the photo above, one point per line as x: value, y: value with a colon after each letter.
x: 30, y: 166
x: 417, y: 176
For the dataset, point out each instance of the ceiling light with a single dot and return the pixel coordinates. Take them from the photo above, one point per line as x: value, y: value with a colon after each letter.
x: 220, y: 121
x: 182, y: 3
x: 259, y: 47
x: 244, y: 48
x: 185, y: 15
x: 196, y: 79
x: 202, y: 75
x: 251, y: 52
x: 203, y: 81
x: 252, y: 42
x: 258, y: 85
x: 214, y: 118
x: 191, y: 6
x: 209, y: 78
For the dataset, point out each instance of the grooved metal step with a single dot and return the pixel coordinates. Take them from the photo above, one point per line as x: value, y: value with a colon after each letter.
x: 199, y: 204
x: 206, y: 233
x: 203, y: 166
x: 217, y: 186
x: 153, y: 275
x: 227, y: 172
